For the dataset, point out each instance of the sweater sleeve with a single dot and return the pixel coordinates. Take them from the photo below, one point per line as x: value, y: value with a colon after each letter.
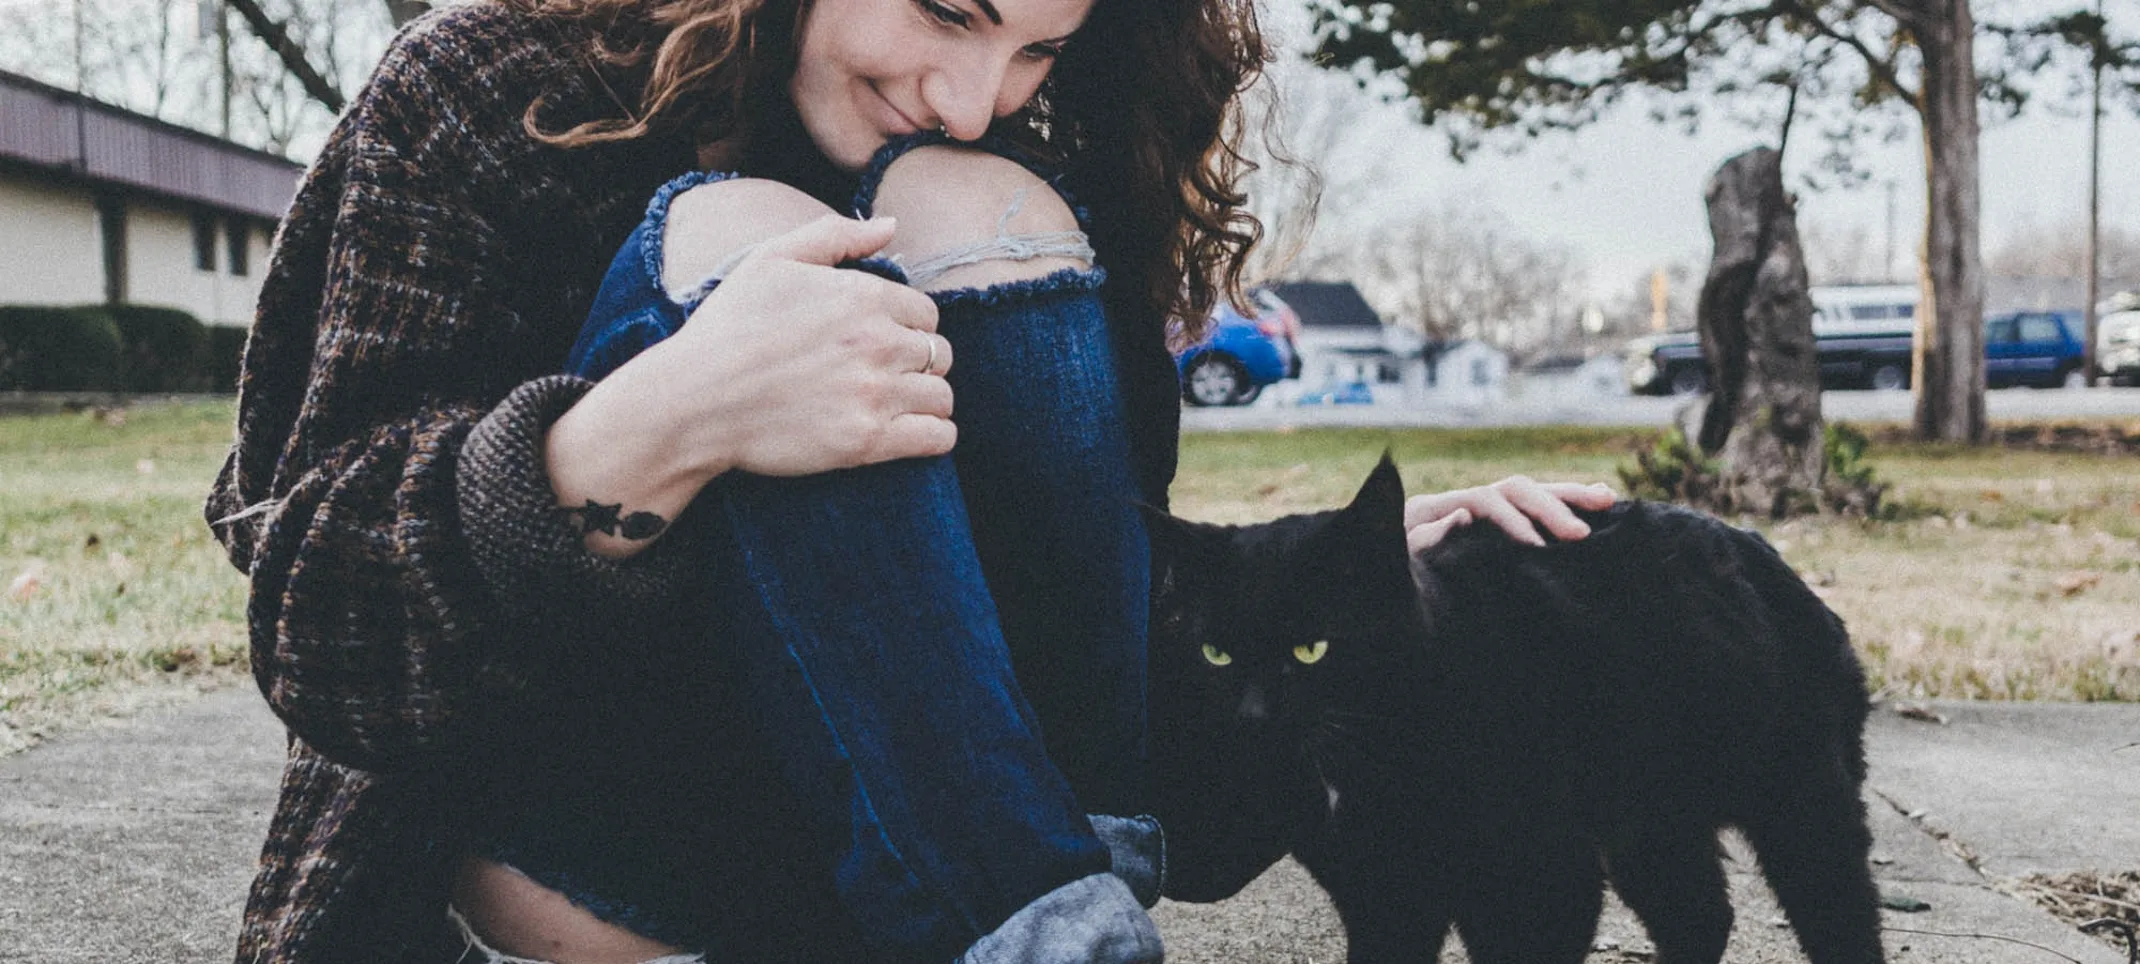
x: 386, y: 491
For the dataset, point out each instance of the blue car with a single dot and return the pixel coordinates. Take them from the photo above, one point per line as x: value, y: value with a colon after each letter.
x: 1242, y: 355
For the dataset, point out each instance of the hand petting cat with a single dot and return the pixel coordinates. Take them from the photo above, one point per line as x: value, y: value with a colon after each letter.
x: 1517, y: 504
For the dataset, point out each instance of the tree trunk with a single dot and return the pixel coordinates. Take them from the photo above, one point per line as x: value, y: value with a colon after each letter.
x: 1949, y: 351
x: 1756, y: 322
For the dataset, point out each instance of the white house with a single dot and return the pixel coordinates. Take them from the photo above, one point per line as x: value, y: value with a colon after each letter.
x: 1468, y: 373
x: 1344, y: 343
x: 103, y: 205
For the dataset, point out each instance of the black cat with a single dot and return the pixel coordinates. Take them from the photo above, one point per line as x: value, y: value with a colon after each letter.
x: 1482, y: 735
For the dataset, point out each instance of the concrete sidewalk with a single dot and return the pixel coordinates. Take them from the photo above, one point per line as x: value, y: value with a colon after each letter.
x: 133, y: 842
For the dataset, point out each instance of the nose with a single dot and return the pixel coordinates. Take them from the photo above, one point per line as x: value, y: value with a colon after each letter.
x: 966, y: 96
x: 1253, y: 705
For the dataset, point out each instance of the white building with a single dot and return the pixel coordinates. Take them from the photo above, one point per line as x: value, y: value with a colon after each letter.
x: 1344, y: 344
x: 102, y: 205
x: 1468, y: 373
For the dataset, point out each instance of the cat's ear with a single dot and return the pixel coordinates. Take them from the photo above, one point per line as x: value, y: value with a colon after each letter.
x: 1380, y: 502
x: 1368, y: 535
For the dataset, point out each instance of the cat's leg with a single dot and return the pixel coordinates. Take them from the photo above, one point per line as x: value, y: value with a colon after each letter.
x: 1815, y: 850
x: 1669, y: 875
x: 1537, y: 903
x: 1394, y: 905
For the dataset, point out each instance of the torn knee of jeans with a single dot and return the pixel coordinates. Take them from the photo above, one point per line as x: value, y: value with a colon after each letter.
x: 1004, y: 245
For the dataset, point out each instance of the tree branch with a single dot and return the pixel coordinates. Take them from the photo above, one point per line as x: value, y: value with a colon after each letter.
x: 1908, y: 14
x: 407, y: 10
x: 293, y: 56
x: 1880, y: 67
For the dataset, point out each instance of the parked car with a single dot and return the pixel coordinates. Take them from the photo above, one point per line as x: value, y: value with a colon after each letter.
x: 2117, y: 350
x: 2036, y: 348
x: 1242, y: 355
x: 2040, y: 349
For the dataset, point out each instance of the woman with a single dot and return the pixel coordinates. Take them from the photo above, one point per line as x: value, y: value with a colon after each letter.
x: 441, y: 639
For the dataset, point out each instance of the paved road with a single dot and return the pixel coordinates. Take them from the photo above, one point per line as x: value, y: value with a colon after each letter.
x: 1541, y: 404
x: 133, y: 841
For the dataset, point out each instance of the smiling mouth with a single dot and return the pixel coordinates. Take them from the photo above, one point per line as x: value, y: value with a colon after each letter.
x: 906, y: 125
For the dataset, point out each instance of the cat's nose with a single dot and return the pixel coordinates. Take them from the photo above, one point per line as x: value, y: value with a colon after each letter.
x: 1253, y: 705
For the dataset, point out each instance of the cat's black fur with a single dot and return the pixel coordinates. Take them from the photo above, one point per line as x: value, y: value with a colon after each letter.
x: 1495, y: 729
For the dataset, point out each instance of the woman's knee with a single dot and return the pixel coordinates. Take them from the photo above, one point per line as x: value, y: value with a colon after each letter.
x: 712, y: 226
x: 969, y: 218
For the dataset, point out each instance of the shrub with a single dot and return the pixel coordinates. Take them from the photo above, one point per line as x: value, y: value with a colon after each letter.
x: 51, y: 349
x: 166, y: 349
x: 226, y: 349
x: 1675, y: 470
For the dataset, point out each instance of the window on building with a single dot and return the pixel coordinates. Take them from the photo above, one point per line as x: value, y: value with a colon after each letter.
x: 237, y: 232
x: 203, y: 241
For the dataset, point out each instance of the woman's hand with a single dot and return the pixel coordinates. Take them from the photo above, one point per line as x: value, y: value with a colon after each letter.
x: 1516, y: 504
x: 795, y: 367
x: 790, y: 367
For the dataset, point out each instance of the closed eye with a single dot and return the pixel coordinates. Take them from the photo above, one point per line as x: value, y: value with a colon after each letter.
x: 945, y: 13
x: 1309, y: 653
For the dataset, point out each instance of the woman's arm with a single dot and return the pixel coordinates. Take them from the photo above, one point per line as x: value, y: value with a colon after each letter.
x: 391, y: 491
x: 386, y: 492
x: 789, y: 368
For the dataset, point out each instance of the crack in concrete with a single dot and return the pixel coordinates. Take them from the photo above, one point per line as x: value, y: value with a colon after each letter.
x: 1955, y: 846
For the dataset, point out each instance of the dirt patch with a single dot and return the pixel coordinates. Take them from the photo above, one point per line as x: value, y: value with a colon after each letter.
x: 2090, y: 438
x: 2083, y: 897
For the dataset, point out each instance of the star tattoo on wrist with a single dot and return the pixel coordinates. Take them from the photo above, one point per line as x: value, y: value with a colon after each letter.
x: 609, y: 519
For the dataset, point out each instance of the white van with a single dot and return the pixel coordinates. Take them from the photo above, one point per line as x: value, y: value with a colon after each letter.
x: 1863, y: 308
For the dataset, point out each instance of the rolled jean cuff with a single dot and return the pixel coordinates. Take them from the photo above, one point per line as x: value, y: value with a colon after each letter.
x: 1091, y: 920
x: 1138, y: 848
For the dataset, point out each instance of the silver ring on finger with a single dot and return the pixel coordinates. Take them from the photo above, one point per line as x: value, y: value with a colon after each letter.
x: 928, y: 367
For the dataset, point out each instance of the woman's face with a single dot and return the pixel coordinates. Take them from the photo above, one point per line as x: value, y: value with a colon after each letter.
x: 871, y: 70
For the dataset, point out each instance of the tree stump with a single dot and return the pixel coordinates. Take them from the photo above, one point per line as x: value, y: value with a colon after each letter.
x: 1756, y: 321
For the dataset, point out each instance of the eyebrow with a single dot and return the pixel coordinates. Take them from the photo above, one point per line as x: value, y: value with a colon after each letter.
x: 989, y: 10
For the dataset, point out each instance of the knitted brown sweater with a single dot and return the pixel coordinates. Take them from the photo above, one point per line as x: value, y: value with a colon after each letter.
x: 412, y: 587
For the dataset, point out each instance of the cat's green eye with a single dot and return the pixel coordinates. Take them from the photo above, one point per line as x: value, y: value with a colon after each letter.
x: 1216, y: 656
x: 1308, y: 653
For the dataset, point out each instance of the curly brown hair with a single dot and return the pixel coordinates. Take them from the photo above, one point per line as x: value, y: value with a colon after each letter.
x: 1142, y: 109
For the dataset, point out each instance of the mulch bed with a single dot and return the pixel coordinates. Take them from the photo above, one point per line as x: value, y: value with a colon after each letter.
x: 2084, y: 896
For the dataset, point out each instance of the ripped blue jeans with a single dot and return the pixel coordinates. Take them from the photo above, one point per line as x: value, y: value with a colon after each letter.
x: 903, y: 634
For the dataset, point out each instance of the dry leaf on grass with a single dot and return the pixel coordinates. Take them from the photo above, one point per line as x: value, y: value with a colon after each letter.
x: 28, y: 582
x: 2079, y: 581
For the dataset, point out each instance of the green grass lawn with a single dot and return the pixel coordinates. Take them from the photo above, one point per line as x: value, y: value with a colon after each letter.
x: 104, y: 513
x: 2016, y: 575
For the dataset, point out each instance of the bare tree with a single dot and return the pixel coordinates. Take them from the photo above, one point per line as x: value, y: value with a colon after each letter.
x: 1322, y: 167
x: 1461, y: 270
x: 1842, y: 254
x: 151, y: 56
x: 2061, y: 251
